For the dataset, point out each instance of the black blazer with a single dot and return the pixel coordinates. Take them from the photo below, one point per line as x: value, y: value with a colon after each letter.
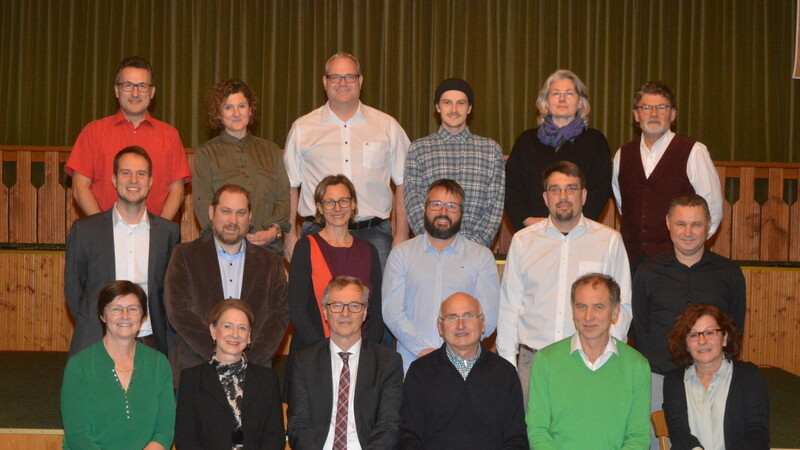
x: 204, y: 417
x: 746, y: 422
x: 90, y: 266
x: 378, y: 396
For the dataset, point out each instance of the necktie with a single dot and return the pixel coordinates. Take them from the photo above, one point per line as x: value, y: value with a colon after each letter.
x: 340, y: 430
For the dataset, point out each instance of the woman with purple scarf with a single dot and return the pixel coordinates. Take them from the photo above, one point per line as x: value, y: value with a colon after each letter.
x: 563, y: 135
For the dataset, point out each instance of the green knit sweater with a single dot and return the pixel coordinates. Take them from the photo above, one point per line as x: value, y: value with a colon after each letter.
x: 571, y: 407
x: 97, y: 413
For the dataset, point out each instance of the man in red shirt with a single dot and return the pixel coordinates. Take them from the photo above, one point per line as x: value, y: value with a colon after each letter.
x: 91, y: 162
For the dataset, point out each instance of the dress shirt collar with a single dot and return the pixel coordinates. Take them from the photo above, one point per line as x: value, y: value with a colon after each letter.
x: 120, y: 119
x: 230, y: 139
x: 611, y: 349
x: 455, y: 247
x: 221, y: 251
x: 464, y: 366
x: 673, y: 259
x: 116, y: 218
x: 327, y: 114
x: 576, y: 232
x: 691, y: 372
x: 445, y: 135
x: 658, y: 146
x: 354, y: 351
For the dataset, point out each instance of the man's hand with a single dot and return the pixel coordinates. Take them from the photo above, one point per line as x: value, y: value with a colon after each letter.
x: 263, y: 237
x: 425, y: 352
x: 532, y: 220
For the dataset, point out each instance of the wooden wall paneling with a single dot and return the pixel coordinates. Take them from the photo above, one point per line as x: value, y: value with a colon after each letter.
x: 72, y: 212
x: 772, y: 329
x: 34, y: 313
x: 746, y: 222
x: 720, y: 243
x: 38, y: 439
x: 52, y: 203
x: 775, y: 221
x: 5, y: 218
x: 22, y: 203
x: 190, y: 229
x: 794, y: 225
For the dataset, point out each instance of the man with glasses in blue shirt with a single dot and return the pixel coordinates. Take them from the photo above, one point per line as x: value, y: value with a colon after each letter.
x: 462, y: 395
x: 423, y: 271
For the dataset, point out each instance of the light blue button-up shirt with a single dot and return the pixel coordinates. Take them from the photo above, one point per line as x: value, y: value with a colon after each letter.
x: 418, y: 278
x: 231, y: 270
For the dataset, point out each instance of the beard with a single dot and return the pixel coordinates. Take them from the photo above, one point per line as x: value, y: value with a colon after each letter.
x: 564, y: 216
x: 442, y: 233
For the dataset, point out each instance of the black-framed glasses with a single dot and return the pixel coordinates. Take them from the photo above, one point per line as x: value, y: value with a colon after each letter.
x: 128, y: 86
x: 466, y: 317
x: 331, y: 204
x: 436, y: 205
x: 557, y: 190
x: 708, y: 334
x: 116, y: 310
x: 350, y: 78
x: 354, y: 307
x: 647, y: 108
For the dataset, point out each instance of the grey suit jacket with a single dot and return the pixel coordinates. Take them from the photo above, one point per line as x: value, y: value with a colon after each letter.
x: 378, y: 396
x: 194, y: 286
x: 90, y: 266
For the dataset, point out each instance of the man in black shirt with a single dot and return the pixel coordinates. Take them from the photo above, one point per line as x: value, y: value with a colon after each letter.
x: 688, y: 274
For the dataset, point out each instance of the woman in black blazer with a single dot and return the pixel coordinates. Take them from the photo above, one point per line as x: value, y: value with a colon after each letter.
x: 704, y: 342
x: 228, y: 402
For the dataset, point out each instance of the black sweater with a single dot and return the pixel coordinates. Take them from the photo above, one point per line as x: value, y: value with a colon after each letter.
x: 529, y: 158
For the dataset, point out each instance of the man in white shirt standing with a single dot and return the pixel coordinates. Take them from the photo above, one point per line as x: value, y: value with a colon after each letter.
x: 344, y: 392
x: 649, y: 172
x: 344, y: 136
x: 123, y: 243
x: 544, y: 260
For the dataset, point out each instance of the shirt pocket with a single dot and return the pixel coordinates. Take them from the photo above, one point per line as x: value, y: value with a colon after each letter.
x: 376, y: 155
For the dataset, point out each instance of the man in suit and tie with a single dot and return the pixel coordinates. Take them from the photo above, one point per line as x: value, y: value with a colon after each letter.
x: 219, y: 266
x: 123, y: 243
x: 345, y: 392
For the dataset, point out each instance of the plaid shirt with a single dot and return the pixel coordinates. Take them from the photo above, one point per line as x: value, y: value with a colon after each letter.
x: 462, y: 365
x: 475, y: 162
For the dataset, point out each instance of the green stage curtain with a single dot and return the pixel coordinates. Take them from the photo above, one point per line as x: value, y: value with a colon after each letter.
x: 729, y: 61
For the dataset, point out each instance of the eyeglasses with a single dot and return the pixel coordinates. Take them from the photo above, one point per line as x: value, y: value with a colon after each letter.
x: 557, y: 190
x: 436, y: 205
x: 350, y: 78
x: 116, y: 310
x: 648, y: 108
x: 555, y: 93
x: 466, y: 317
x: 339, y: 307
x: 331, y: 204
x: 128, y: 87
x: 708, y: 334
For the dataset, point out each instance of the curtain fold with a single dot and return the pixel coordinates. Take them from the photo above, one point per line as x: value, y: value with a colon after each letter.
x: 730, y: 62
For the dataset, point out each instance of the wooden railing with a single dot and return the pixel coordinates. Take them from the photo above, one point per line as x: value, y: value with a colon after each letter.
x: 761, y: 212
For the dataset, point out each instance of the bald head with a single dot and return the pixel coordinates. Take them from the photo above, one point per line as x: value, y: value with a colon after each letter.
x: 461, y: 323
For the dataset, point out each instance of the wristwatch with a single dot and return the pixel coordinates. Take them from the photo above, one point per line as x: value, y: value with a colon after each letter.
x: 277, y: 230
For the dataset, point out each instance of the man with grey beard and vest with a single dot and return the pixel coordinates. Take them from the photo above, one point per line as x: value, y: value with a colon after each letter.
x: 652, y: 170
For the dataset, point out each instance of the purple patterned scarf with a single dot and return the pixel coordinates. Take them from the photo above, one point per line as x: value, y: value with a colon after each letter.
x: 550, y: 134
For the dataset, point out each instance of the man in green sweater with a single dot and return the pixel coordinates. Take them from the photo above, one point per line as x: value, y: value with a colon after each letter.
x: 590, y: 391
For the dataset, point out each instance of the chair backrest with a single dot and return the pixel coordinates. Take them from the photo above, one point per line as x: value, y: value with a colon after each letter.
x: 659, y: 421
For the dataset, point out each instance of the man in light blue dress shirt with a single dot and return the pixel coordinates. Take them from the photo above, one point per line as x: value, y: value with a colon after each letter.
x: 422, y: 272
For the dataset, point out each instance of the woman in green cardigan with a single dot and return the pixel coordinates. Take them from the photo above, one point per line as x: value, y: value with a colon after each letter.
x: 117, y: 393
